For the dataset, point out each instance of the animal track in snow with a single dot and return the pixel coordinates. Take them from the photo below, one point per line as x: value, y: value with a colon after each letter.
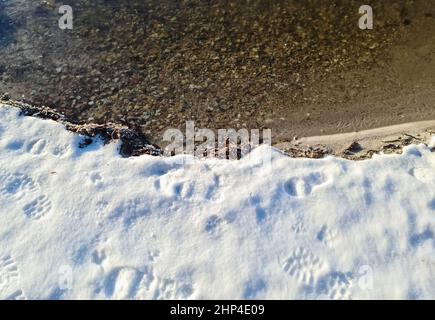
x: 98, y: 256
x: 213, y: 225
x: 59, y: 150
x: 96, y: 179
x: 100, y: 211
x: 9, y: 280
x: 176, y: 189
x: 327, y: 236
x: 304, y: 186
x: 16, y: 185
x: 299, y: 227
x: 423, y: 174
x: 37, y: 208
x: 304, y: 266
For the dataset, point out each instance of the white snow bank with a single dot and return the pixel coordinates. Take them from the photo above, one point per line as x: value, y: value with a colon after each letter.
x: 86, y: 223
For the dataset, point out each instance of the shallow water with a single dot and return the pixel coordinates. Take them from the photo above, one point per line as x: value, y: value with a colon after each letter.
x: 6, y: 27
x: 301, y: 68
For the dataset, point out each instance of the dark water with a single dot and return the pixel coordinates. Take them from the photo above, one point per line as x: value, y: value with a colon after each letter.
x: 153, y: 64
x: 6, y: 27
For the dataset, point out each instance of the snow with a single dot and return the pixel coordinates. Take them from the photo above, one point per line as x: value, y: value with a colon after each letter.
x: 87, y: 223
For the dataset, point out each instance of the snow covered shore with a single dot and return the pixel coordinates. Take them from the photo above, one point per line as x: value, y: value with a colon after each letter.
x: 87, y: 223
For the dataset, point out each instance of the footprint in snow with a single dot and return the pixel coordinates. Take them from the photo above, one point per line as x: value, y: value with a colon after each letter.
x: 299, y: 227
x: 15, y: 144
x: 304, y: 186
x: 304, y: 266
x: 131, y: 283
x: 336, y: 286
x: 41, y: 147
x: 9, y: 280
x: 121, y: 283
x: 16, y: 185
x: 37, y: 208
x: 36, y: 147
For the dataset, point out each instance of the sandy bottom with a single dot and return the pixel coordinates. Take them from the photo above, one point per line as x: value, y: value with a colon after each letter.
x: 300, y: 68
x: 363, y: 144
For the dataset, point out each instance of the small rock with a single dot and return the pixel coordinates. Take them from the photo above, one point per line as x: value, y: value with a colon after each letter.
x: 5, y: 97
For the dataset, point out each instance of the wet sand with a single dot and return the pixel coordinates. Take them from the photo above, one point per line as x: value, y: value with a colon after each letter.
x: 363, y: 144
x: 301, y: 68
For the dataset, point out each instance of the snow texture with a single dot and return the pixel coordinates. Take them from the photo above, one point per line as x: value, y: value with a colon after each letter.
x: 79, y: 223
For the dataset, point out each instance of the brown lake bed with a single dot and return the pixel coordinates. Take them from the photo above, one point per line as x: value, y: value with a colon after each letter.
x: 300, y: 68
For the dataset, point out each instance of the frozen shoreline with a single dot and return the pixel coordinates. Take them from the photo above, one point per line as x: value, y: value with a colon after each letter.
x: 363, y: 144
x: 87, y: 223
x: 351, y: 145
